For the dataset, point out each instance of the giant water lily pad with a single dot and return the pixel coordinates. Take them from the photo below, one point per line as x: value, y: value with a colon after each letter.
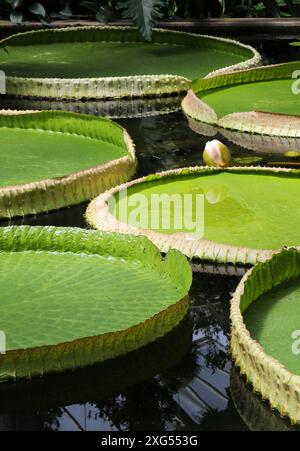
x: 247, y: 212
x: 263, y: 144
x: 50, y: 160
x: 107, y: 62
x: 76, y: 297
x: 263, y: 100
x: 265, y: 331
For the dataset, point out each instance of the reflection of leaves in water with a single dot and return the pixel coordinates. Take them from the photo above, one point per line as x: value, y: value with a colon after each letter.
x: 182, y: 372
x: 37, y: 421
x: 210, y: 296
x: 65, y: 217
x: 225, y: 420
x: 150, y: 405
x: 166, y: 144
x: 216, y: 358
x: 142, y: 407
x: 51, y: 419
x: 103, y: 383
x: 149, y: 402
x: 256, y: 413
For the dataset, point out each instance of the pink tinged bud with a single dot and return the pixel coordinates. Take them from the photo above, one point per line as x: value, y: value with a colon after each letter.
x: 216, y: 154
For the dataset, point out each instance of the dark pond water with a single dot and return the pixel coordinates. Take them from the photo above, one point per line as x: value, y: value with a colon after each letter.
x: 184, y: 381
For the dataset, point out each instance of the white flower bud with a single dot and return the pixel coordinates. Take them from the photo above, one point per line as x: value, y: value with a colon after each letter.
x: 216, y: 154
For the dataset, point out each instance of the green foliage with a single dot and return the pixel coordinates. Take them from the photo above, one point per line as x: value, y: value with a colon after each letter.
x: 144, y: 13
x: 234, y: 8
x: 18, y: 9
x: 103, y: 11
x: 37, y: 9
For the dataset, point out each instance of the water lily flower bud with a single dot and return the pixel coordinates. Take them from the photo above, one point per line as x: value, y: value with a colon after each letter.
x: 216, y: 154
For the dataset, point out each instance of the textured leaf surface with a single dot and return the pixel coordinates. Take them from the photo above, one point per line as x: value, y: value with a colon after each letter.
x: 61, y: 286
x: 260, y: 100
x: 264, y: 316
x: 272, y: 320
x: 283, y: 71
x: 266, y: 96
x: 31, y: 155
x: 108, y: 51
x: 115, y: 62
x: 50, y: 144
x: 51, y: 298
x: 112, y: 59
x: 52, y: 159
x: 263, y: 217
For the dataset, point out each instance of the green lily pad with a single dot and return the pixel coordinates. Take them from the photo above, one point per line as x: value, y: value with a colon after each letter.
x: 49, y: 160
x: 65, y: 308
x: 288, y: 146
x: 241, y: 224
x: 265, y: 330
x: 102, y: 62
x: 263, y: 100
x: 277, y: 315
x: 273, y: 96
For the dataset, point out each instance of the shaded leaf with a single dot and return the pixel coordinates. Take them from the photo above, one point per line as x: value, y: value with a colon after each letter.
x: 66, y: 11
x: 16, y: 17
x: 105, y: 14
x: 144, y: 13
x: 37, y: 9
x: 16, y: 3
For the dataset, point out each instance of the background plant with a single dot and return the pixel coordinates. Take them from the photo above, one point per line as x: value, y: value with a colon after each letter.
x: 234, y: 8
x: 144, y: 13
